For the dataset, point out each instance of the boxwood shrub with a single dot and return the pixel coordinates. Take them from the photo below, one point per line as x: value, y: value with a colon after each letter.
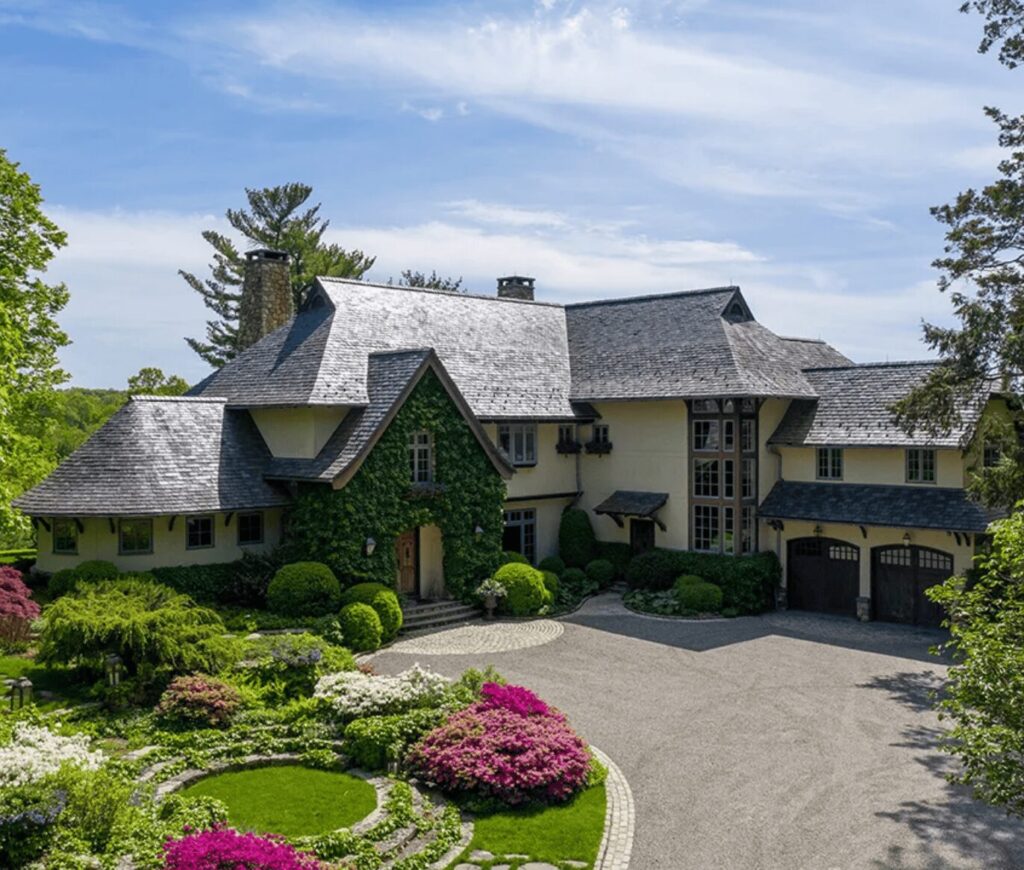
x: 576, y: 542
x: 303, y: 589
x: 525, y: 587
x: 554, y: 564
x: 381, y: 599
x: 511, y: 557
x: 601, y: 572
x: 574, y: 578
x: 618, y: 554
x: 361, y: 627
x: 748, y: 583
x: 550, y: 582
x: 701, y: 597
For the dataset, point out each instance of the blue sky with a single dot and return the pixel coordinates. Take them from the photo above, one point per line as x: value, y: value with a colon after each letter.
x: 608, y: 149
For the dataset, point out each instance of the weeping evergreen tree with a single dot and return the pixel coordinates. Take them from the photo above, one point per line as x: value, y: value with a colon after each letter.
x: 278, y: 218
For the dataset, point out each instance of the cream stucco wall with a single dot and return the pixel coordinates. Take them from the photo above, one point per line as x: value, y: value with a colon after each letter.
x: 432, y: 563
x: 297, y: 433
x: 877, y: 536
x: 649, y: 453
x: 885, y: 465
x: 553, y: 471
x: 96, y: 541
x: 548, y: 514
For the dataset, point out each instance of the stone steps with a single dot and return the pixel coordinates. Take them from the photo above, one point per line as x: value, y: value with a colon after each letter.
x: 437, y: 614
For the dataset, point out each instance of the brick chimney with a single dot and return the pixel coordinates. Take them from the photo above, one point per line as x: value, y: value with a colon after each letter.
x: 515, y: 287
x: 267, y: 301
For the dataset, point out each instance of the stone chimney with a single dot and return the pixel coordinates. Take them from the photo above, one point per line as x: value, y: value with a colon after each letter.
x: 266, y: 302
x: 515, y: 287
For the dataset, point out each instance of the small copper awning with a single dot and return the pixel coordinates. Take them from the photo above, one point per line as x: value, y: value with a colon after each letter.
x: 627, y: 503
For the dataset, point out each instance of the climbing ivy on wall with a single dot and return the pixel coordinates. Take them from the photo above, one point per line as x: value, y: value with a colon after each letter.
x: 332, y: 526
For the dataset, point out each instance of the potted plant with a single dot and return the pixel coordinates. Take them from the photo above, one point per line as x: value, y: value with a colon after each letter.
x: 490, y: 591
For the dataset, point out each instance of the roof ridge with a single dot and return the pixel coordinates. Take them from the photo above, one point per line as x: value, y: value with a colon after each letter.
x: 625, y: 300
x: 425, y: 349
x: 435, y: 292
x: 190, y: 400
x: 875, y: 365
x: 801, y: 338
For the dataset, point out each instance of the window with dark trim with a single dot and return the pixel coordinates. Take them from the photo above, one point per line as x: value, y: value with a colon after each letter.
x: 250, y: 529
x: 135, y: 537
x: 705, y: 478
x: 705, y: 435
x: 198, y: 533
x: 421, y: 459
x: 920, y: 465
x: 830, y: 463
x: 991, y: 454
x: 65, y: 537
x: 705, y: 528
x: 520, y: 535
x: 519, y: 441
x: 602, y: 434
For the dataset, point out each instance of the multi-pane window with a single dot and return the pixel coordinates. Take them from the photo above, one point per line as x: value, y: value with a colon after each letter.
x: 135, y: 536
x: 747, y: 439
x: 728, y: 435
x: 705, y: 434
x: 705, y: 527
x: 519, y: 441
x: 920, y: 465
x: 747, y: 487
x: 566, y: 434
x: 747, y: 529
x: 602, y: 434
x: 705, y: 478
x: 729, y: 536
x: 65, y: 536
x: 728, y: 478
x: 421, y: 460
x: 198, y: 532
x: 830, y: 463
x: 992, y: 454
x: 250, y: 528
x: 520, y: 535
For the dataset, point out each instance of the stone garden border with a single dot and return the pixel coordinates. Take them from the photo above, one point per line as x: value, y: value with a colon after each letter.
x: 619, y: 818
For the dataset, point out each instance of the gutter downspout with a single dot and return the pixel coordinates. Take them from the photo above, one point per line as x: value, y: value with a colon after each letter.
x: 783, y: 592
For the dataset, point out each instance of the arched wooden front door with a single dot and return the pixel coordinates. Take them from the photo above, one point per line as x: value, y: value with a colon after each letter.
x: 406, y: 552
x: 823, y: 574
x: 899, y: 577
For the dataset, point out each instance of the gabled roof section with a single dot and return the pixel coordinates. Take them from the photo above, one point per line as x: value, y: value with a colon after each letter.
x: 862, y: 504
x: 509, y: 357
x: 391, y: 377
x: 700, y: 343
x: 853, y: 409
x: 813, y: 353
x: 161, y: 455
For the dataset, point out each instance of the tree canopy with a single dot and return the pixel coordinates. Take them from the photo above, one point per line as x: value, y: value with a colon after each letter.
x: 277, y: 218
x: 433, y: 281
x: 153, y: 382
x: 29, y: 339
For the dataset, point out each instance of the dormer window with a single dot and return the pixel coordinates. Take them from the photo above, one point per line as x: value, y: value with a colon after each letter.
x: 519, y: 441
x: 421, y: 457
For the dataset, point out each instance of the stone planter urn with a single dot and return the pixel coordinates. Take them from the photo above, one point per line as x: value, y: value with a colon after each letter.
x: 490, y: 603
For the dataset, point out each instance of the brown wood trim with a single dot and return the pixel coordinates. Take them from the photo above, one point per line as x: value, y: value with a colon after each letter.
x: 549, y: 495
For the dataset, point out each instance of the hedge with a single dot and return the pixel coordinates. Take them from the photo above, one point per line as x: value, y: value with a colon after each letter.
x: 576, y: 542
x: 601, y: 572
x: 699, y: 596
x: 618, y: 554
x: 554, y: 564
x: 91, y: 571
x: 206, y: 583
x: 748, y: 583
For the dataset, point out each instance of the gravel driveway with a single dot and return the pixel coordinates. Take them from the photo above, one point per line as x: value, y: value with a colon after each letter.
x: 786, y: 741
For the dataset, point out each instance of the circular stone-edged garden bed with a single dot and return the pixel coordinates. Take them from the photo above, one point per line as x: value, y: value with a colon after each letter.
x: 290, y: 800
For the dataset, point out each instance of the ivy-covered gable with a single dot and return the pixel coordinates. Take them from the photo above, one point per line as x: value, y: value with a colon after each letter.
x: 381, y: 502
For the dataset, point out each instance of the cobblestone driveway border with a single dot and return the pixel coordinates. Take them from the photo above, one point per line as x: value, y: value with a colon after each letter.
x: 619, y: 818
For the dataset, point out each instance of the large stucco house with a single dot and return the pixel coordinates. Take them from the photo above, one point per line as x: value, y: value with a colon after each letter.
x: 676, y: 420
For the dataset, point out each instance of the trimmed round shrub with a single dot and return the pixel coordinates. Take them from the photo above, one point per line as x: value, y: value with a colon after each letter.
x: 550, y: 582
x: 554, y: 564
x: 688, y: 580
x: 576, y: 542
x: 524, y: 586
x: 655, y: 570
x: 380, y: 598
x: 509, y: 557
x: 701, y: 597
x: 361, y: 627
x: 303, y: 589
x: 618, y: 554
x: 601, y: 572
x: 226, y: 847
x: 90, y: 571
x: 574, y: 578
x: 199, y: 700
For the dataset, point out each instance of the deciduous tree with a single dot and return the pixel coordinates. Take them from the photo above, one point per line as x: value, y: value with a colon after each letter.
x: 153, y: 382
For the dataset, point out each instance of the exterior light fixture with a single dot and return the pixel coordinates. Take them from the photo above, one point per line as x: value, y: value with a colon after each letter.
x: 906, y: 539
x: 114, y: 666
x: 12, y: 692
x: 370, y: 546
x: 818, y: 531
x: 479, y: 530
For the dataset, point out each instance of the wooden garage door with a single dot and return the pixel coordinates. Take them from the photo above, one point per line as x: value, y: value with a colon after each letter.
x: 899, y: 576
x: 823, y: 574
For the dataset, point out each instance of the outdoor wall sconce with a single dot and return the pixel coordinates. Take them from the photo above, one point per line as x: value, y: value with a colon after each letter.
x: 114, y: 666
x: 906, y: 539
x: 369, y: 546
x: 478, y: 531
x: 818, y: 530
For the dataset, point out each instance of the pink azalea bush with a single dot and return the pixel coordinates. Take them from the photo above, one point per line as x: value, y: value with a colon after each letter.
x: 227, y: 849
x: 509, y: 746
x: 17, y: 609
x: 199, y: 700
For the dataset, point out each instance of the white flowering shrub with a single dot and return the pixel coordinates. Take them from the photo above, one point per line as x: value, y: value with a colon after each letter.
x: 35, y: 752
x: 353, y: 694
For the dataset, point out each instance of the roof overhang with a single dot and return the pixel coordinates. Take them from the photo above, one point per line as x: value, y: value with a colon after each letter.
x: 630, y: 503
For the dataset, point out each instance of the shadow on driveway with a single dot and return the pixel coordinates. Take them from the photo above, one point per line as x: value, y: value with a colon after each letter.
x: 607, y: 613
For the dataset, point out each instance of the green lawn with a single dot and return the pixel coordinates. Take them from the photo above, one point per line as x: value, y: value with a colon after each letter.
x: 55, y: 682
x: 293, y: 801
x: 569, y: 831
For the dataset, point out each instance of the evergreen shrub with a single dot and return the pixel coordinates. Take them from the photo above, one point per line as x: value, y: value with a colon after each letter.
x: 303, y: 589
x: 576, y: 542
x: 361, y: 627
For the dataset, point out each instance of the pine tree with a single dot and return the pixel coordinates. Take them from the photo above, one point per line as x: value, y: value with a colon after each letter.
x: 276, y: 218
x: 430, y: 282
